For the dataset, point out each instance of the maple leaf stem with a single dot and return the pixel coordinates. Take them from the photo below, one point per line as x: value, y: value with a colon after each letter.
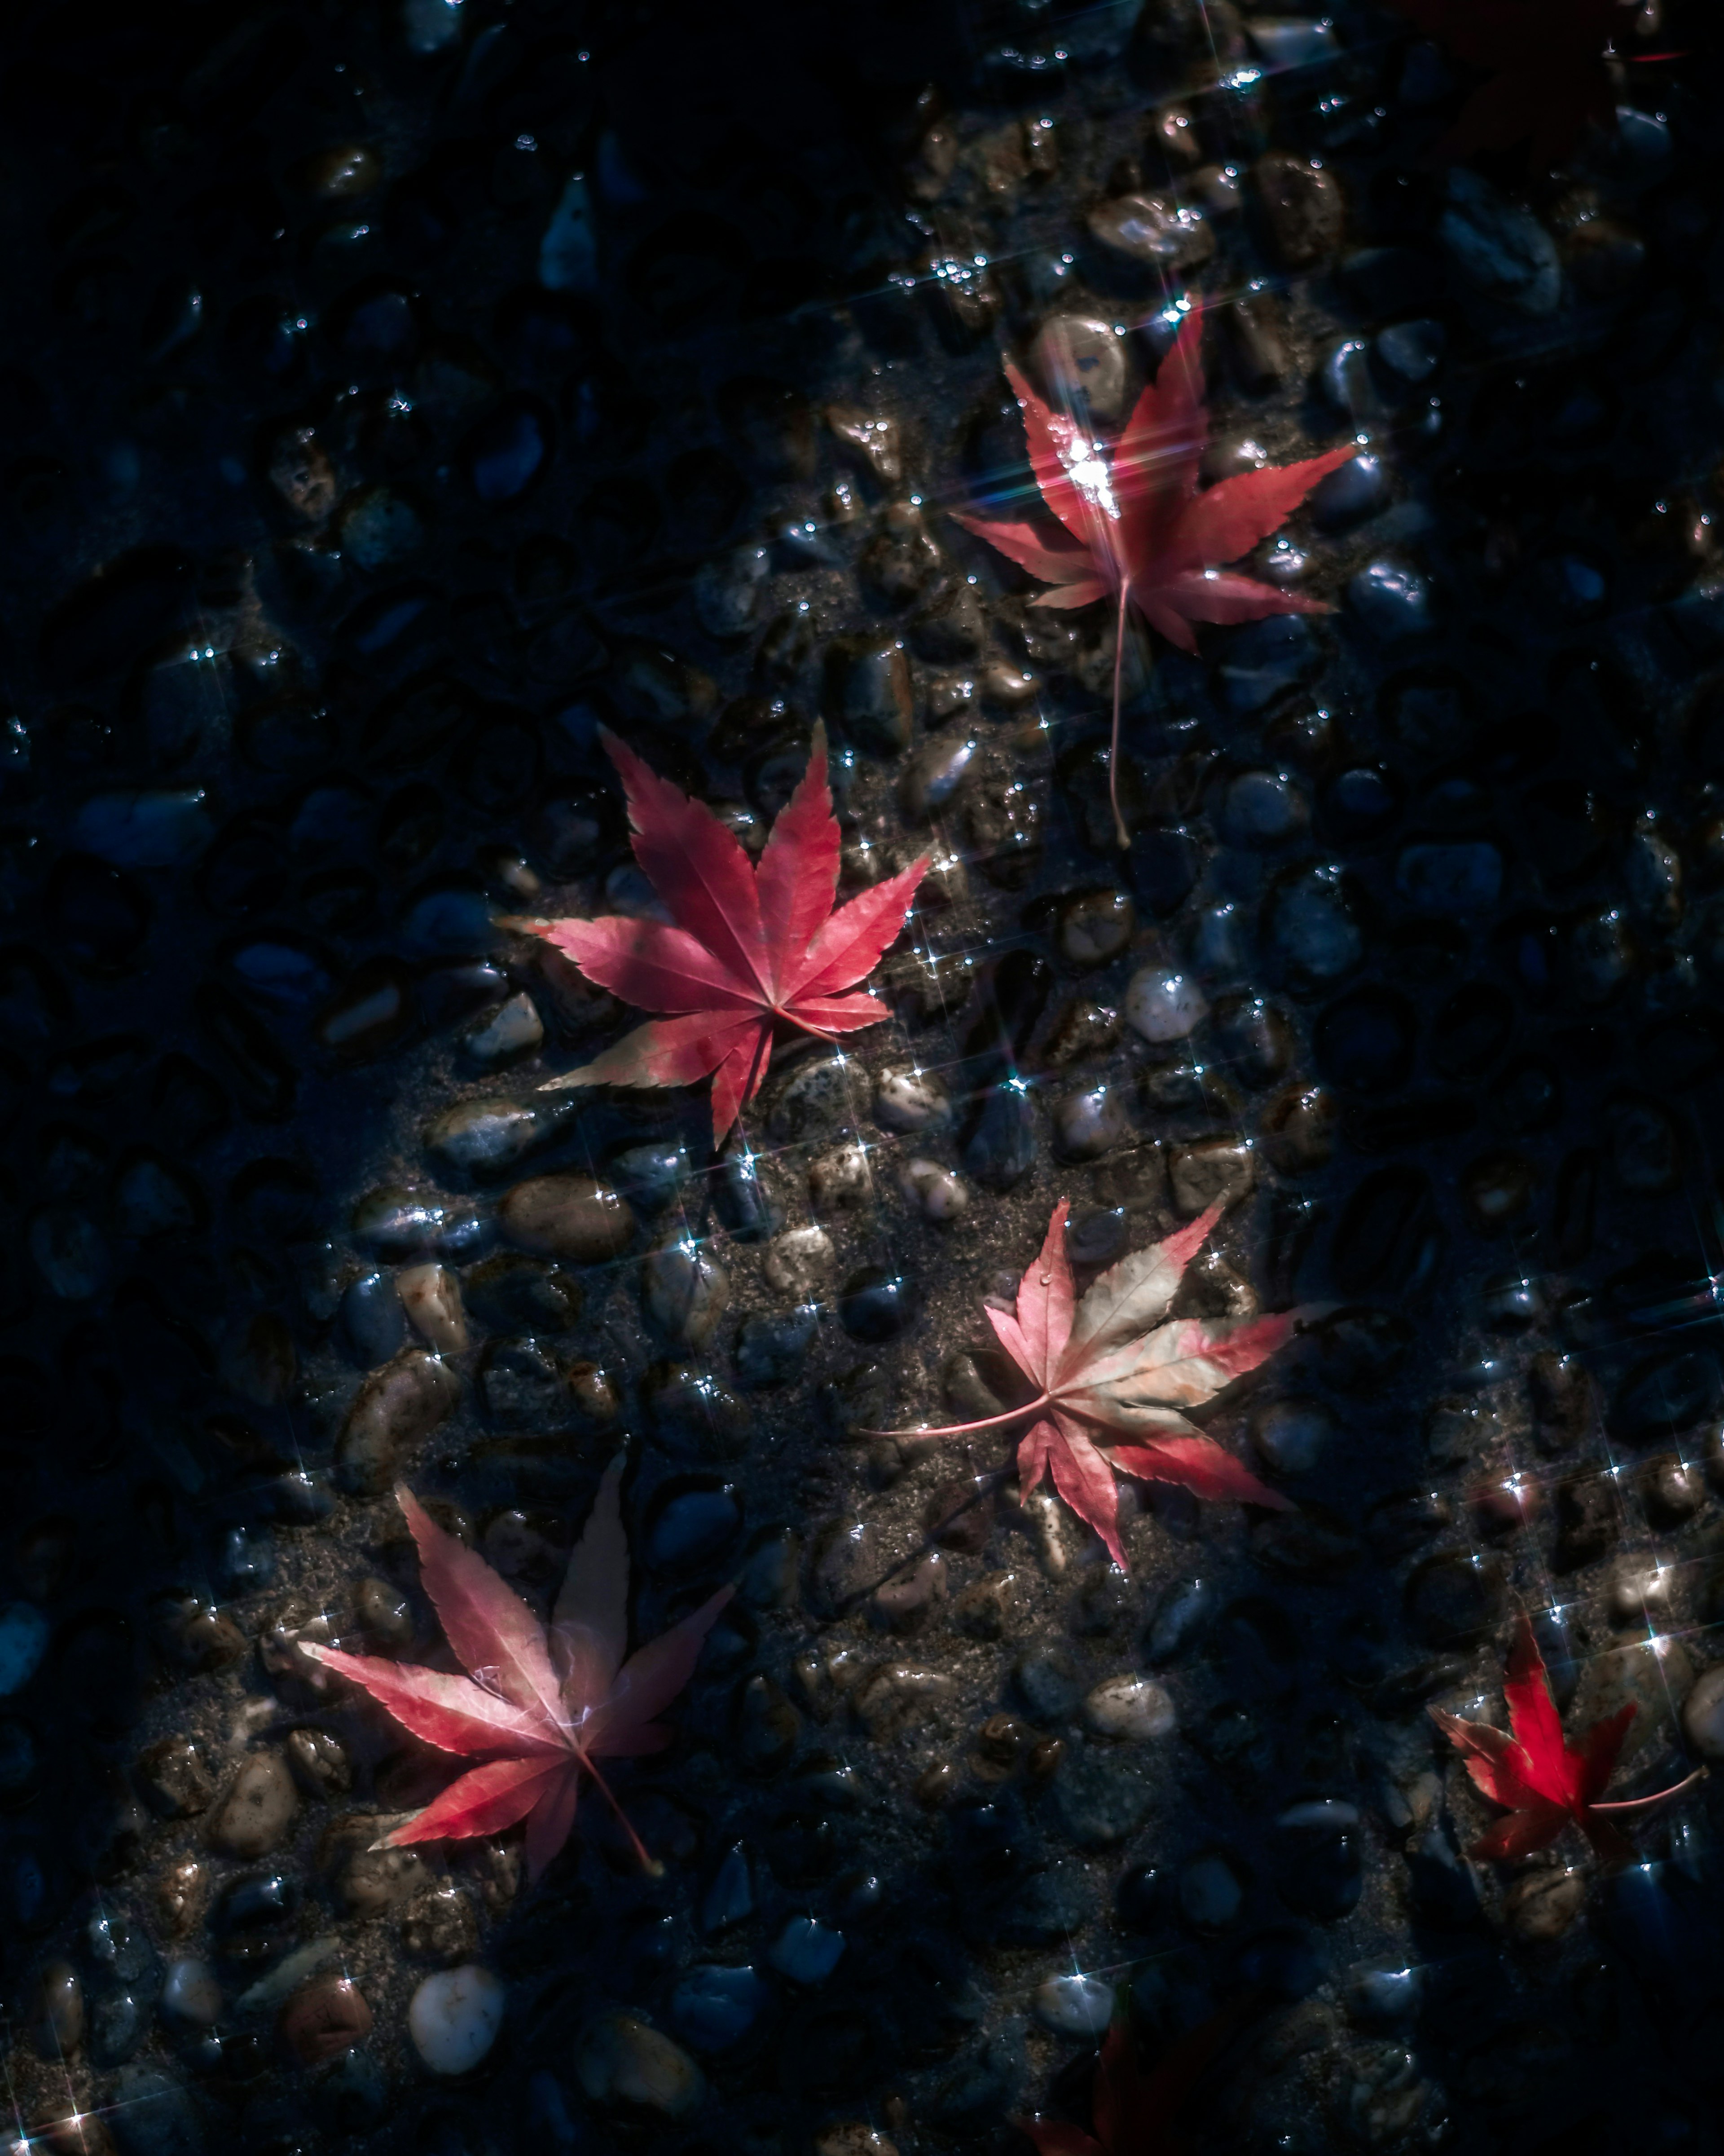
x: 649, y: 1864
x: 1120, y: 834
x: 962, y: 1428
x: 1631, y: 1804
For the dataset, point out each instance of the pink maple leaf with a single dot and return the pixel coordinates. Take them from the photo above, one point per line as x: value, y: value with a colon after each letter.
x: 539, y: 1707
x: 1135, y: 526
x: 1115, y: 1364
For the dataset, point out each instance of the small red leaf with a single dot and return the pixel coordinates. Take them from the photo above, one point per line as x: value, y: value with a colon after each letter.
x: 1545, y: 1782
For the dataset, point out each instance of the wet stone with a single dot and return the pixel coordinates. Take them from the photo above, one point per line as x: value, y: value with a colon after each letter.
x: 487, y: 1138
x: 999, y: 1137
x: 394, y: 1408
x: 841, y: 1179
x: 909, y: 1101
x: 372, y: 1319
x: 935, y: 773
x: 176, y: 1778
x: 876, y: 1305
x: 504, y: 1035
x: 1499, y: 250
x: 1302, y: 205
x: 1703, y: 1714
x: 815, y: 1099
x: 1163, y: 1005
x: 1100, y: 1796
x: 431, y: 1296
x: 258, y: 1812
x: 511, y: 1293
x: 1046, y: 1679
x: 191, y: 1994
x: 771, y: 1349
x: 684, y: 1291
x: 1208, y: 1169
x: 1074, y: 2006
x: 716, y: 2005
x: 319, y: 1762
x: 57, y: 2012
x: 799, y: 1263
x: 1089, y: 1123
x: 521, y: 1385
x: 1210, y: 1890
x: 566, y: 1216
x: 324, y: 2018
x: 1095, y: 926
x: 867, y: 695
x: 439, y: 1925
x: 1293, y: 1436
x: 1130, y: 1707
x: 622, y: 2062
x: 454, y: 2018
x: 1151, y: 232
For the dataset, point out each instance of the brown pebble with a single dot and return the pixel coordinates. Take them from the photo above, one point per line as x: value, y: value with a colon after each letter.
x: 936, y: 1786
x: 323, y: 2019
x: 176, y: 1778
x: 179, y: 1895
x: 1045, y: 1759
x: 566, y: 1216
x: 1543, y: 1905
x: 57, y: 2017
x: 258, y: 1810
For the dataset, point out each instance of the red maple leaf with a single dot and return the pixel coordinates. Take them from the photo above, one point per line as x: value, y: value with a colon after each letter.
x: 1134, y: 2113
x: 1110, y: 1363
x: 752, y: 943
x: 1135, y: 524
x: 1546, y: 65
x: 1545, y: 1781
x: 539, y: 1707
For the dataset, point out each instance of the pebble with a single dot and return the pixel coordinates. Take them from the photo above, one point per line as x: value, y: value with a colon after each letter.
x: 1703, y: 1714
x: 772, y: 1347
x: 814, y: 1099
x: 1047, y: 1681
x: 1211, y: 1891
x: 372, y: 1319
x: 487, y: 1138
x: 621, y: 2060
x: 1351, y: 492
x: 192, y: 1993
x: 692, y: 1528
x: 324, y: 2018
x: 798, y: 1263
x: 867, y: 695
x: 176, y: 1778
x: 1131, y: 1708
x: 938, y: 1194
x: 877, y: 1305
x: 1152, y: 232
x: 504, y: 1035
x: 715, y: 2005
x: 1163, y: 1006
x: 144, y: 830
x: 454, y: 2018
x: 1303, y: 205
x: 1261, y: 809
x: 1390, y: 601
x: 1089, y: 1123
x: 1074, y: 2006
x: 1101, y: 1795
x: 1095, y: 926
x: 70, y: 1253
x: 1458, y: 877
x: 684, y: 1291
x: 1208, y: 1170
x: 1082, y: 357
x: 258, y: 1811
x: 839, y: 1179
x: 909, y: 1101
x: 807, y: 1951
x: 727, y: 589
x: 566, y: 1216
x: 24, y: 1633
x: 1097, y: 1235
x: 57, y: 2012
x: 1499, y: 249
x: 394, y: 1408
x: 935, y: 773
x: 431, y: 1296
x: 999, y: 1137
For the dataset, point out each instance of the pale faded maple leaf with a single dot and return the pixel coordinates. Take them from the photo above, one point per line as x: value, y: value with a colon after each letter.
x: 1114, y: 1363
x: 1547, y: 1783
x: 749, y: 944
x: 1135, y: 526
x: 541, y: 1705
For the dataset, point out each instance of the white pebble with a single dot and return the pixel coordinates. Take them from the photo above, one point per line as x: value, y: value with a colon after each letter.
x: 1129, y: 1707
x: 938, y: 1194
x: 455, y: 2018
x: 1703, y: 1714
x: 431, y: 1296
x: 1163, y: 1005
x: 1074, y: 2006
